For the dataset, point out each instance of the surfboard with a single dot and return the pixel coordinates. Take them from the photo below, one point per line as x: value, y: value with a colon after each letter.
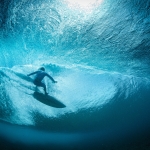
x: 48, y: 100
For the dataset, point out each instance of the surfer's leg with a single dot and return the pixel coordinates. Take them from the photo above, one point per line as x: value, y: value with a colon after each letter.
x: 44, y: 86
x: 41, y: 84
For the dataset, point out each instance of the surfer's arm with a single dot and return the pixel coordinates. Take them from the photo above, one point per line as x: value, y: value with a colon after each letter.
x: 33, y: 73
x: 51, y: 78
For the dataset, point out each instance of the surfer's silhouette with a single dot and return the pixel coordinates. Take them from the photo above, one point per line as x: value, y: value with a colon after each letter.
x: 40, y: 74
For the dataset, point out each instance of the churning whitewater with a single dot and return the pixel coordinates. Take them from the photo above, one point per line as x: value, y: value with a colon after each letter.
x: 98, y: 52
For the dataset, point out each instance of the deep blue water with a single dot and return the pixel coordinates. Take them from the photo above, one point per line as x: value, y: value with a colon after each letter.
x: 98, y: 53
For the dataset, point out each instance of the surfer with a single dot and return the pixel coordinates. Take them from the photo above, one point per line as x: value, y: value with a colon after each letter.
x: 40, y: 74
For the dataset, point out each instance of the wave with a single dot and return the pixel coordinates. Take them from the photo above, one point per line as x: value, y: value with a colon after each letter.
x: 108, y: 99
x: 32, y: 32
x: 100, y: 59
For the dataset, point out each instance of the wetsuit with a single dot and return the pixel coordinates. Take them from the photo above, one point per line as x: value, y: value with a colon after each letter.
x: 39, y: 77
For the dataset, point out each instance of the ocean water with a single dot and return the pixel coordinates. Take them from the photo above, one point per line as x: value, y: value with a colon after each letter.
x: 98, y: 52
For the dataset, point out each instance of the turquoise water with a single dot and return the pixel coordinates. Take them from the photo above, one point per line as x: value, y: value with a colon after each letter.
x: 98, y: 53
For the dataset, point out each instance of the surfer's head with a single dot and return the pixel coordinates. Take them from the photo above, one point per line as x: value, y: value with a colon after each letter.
x: 42, y: 68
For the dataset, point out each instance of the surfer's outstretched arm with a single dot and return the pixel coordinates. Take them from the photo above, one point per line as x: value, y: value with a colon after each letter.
x: 51, y: 78
x: 32, y: 73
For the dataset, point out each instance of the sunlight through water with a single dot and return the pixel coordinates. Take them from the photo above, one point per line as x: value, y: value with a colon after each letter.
x: 87, y: 5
